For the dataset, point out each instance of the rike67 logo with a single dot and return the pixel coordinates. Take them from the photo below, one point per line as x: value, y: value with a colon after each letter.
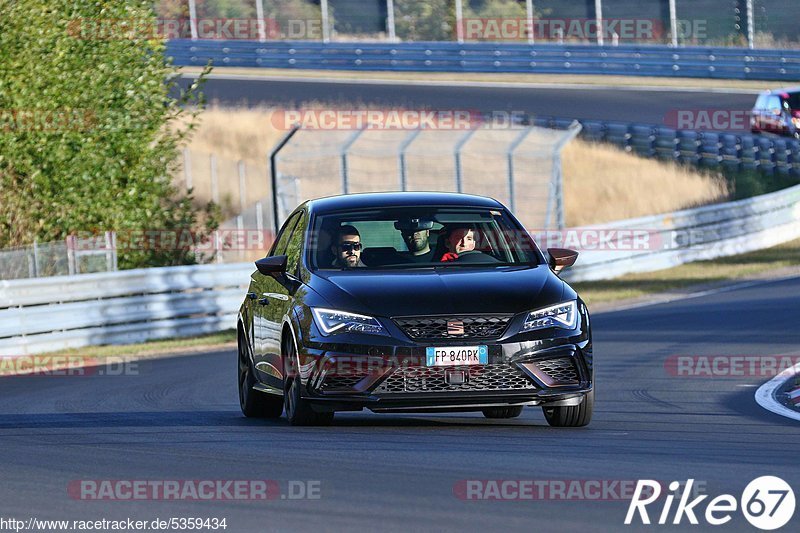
x: 767, y: 503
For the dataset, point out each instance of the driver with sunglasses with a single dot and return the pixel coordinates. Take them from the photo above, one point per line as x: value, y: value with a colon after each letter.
x: 347, y: 248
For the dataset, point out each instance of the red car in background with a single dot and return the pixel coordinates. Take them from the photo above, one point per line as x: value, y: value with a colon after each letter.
x: 778, y: 112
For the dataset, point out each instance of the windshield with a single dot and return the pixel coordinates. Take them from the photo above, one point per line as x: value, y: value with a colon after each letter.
x: 413, y: 237
x: 793, y: 101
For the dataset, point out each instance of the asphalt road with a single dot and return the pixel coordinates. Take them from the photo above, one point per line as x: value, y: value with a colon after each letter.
x: 630, y: 105
x: 178, y: 419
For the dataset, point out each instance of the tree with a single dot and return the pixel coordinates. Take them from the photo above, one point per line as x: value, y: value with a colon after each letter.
x: 91, y: 133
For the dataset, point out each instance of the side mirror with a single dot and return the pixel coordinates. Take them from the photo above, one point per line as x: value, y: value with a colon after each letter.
x: 561, y: 258
x: 272, y: 266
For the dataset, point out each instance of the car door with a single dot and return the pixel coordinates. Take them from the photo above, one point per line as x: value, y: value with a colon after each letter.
x: 774, y: 114
x: 758, y: 112
x: 266, y: 293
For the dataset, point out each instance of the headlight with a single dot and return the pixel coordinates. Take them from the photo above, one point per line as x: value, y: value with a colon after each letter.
x: 563, y: 315
x: 331, y: 321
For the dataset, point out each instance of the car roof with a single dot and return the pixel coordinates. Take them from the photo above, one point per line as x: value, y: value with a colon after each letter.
x: 786, y: 90
x: 399, y: 199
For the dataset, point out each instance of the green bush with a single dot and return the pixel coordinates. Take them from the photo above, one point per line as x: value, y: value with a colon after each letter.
x: 749, y: 183
x: 90, y: 133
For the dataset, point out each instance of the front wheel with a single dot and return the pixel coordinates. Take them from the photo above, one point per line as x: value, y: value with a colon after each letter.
x: 298, y: 410
x: 254, y: 404
x: 571, y: 416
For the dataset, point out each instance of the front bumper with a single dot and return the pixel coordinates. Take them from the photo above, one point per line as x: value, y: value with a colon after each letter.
x: 399, y: 380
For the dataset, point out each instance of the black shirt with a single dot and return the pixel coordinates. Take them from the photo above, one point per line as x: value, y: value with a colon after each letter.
x: 422, y: 258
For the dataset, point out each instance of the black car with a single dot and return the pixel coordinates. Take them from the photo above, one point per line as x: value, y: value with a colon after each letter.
x: 778, y: 112
x: 412, y: 302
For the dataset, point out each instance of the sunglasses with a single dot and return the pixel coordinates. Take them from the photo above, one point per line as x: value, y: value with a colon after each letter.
x: 350, y: 246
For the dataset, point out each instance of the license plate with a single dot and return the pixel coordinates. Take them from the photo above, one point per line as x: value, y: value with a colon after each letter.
x: 456, y: 355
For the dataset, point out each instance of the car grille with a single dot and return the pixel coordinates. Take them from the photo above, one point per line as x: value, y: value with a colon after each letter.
x: 341, y: 383
x: 478, y: 378
x: 436, y: 327
x: 558, y: 371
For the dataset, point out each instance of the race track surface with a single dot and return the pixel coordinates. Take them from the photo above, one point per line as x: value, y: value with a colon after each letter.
x: 629, y: 105
x: 178, y: 419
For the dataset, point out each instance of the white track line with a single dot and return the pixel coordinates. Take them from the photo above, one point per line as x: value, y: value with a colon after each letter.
x: 688, y: 296
x: 486, y: 84
x: 765, y: 395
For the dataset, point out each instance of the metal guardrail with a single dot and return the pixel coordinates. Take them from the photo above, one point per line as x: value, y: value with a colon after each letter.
x: 736, y: 151
x: 39, y: 315
x: 696, y: 234
x: 625, y: 60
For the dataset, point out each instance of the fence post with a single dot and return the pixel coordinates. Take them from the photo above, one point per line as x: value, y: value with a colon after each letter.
x: 273, y: 158
x: 459, y: 21
x: 193, y: 19
x: 71, y: 266
x: 187, y: 168
x: 262, y: 30
x: 343, y: 159
x: 390, y: 29
x: 557, y: 187
x: 326, y: 30
x: 510, y: 156
x: 107, y: 243
x: 35, y: 259
x: 529, y: 23
x: 240, y: 238
x: 751, y: 32
x: 114, y: 258
x: 260, y: 223
x: 218, y: 248
x: 214, y: 182
x: 673, y: 23
x: 457, y: 152
x: 242, y: 186
x: 598, y: 15
x: 401, y: 159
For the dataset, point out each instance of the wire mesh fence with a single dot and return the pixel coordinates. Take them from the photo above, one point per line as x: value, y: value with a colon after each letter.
x: 518, y: 165
x: 759, y: 23
x: 72, y: 256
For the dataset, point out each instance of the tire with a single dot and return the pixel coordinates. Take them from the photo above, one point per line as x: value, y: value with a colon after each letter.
x: 572, y: 416
x: 503, y: 412
x: 298, y: 410
x: 254, y: 404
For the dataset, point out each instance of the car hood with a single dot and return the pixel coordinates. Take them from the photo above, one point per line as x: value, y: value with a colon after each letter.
x: 439, y: 291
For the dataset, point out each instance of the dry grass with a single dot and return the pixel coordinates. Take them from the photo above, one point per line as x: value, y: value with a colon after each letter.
x: 602, y: 183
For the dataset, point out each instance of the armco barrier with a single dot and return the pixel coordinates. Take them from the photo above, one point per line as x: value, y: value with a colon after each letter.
x: 696, y: 234
x: 43, y: 314
x: 626, y: 60
x: 735, y: 151
x: 38, y: 315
